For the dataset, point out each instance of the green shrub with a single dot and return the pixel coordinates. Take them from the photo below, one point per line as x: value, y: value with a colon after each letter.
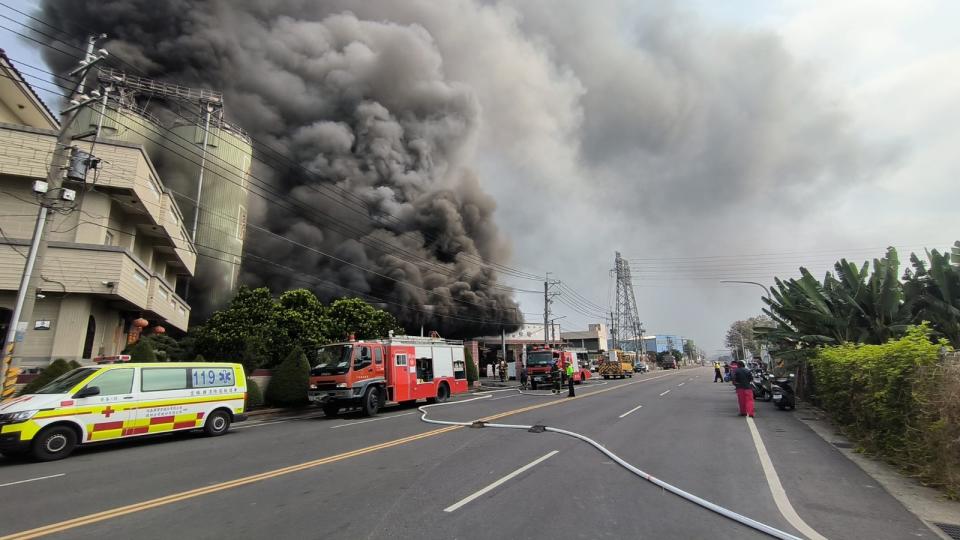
x: 288, y: 386
x: 254, y: 395
x: 882, y: 396
x: 199, y: 358
x: 255, y: 353
x: 142, y: 351
x: 56, y: 368
x: 472, y: 373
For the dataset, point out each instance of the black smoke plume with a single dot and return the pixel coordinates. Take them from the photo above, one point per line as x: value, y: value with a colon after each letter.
x: 363, y: 105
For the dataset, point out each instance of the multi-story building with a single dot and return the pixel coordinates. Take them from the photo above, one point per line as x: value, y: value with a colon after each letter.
x: 594, y: 339
x: 116, y: 253
x: 660, y: 343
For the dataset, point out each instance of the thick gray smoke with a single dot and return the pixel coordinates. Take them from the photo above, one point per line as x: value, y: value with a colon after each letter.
x: 366, y: 107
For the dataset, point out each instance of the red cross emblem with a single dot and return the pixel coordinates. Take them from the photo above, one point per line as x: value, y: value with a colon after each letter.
x: 108, y: 411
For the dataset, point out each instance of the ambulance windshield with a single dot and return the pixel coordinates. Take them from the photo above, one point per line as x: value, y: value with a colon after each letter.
x: 332, y: 360
x: 65, y: 382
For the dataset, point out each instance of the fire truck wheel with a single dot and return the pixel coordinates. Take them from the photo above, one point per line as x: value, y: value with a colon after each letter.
x: 443, y: 392
x: 371, y: 401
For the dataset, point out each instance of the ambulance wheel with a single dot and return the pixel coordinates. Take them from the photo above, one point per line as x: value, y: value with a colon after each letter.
x: 53, y: 443
x: 331, y: 410
x: 217, y: 423
x: 370, y: 405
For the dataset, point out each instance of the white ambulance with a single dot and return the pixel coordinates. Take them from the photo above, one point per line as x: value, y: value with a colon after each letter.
x: 123, y: 400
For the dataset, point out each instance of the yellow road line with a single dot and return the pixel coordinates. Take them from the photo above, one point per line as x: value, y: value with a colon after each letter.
x: 182, y: 496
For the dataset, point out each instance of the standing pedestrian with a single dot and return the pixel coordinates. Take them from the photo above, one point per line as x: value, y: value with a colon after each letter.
x: 570, y: 392
x: 555, y: 378
x: 503, y: 370
x: 523, y: 377
x: 717, y: 376
x: 741, y: 380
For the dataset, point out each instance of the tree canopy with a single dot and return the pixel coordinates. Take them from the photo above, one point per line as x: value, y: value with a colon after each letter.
x: 867, y: 303
x: 260, y: 330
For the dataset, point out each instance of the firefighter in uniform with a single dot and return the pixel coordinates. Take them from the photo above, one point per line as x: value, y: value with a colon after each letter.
x: 555, y: 377
x: 570, y: 392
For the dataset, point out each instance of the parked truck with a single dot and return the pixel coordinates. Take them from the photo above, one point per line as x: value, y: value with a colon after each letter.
x: 370, y: 374
x: 539, y: 362
x: 617, y: 366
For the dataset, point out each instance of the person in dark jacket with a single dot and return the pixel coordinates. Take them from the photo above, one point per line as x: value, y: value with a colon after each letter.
x: 741, y: 381
x: 523, y: 377
x: 555, y: 377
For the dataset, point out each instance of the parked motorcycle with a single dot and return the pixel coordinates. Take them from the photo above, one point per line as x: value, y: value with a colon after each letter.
x: 762, y: 385
x: 784, y: 396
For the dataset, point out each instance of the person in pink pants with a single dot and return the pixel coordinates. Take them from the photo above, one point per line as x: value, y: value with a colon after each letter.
x: 741, y: 380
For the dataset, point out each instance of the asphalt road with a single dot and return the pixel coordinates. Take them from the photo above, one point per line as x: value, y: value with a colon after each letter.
x: 396, y: 476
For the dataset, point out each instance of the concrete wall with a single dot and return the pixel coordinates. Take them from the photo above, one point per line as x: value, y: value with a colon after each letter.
x: 68, y: 316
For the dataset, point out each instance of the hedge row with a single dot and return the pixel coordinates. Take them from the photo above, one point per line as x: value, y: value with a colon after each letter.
x: 895, y: 401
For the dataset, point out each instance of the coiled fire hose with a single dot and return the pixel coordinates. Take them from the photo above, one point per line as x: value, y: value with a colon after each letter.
x: 725, y: 512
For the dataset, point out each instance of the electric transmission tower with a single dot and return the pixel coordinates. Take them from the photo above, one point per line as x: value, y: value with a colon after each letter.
x: 626, y: 326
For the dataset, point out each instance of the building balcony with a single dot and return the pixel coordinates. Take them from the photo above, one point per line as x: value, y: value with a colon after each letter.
x: 127, y: 175
x: 109, y: 272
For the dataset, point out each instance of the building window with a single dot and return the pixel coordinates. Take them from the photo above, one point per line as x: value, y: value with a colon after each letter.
x: 140, y: 278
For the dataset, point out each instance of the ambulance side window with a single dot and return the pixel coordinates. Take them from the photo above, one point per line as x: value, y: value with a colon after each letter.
x: 159, y: 379
x: 401, y: 360
x: 114, y: 382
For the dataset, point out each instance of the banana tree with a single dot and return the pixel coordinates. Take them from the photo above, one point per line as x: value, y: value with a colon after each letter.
x: 934, y: 293
x: 853, y: 306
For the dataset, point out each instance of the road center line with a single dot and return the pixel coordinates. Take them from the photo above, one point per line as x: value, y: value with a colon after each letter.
x: 776, y: 488
x: 631, y: 410
x: 206, y: 490
x: 681, y: 384
x: 32, y: 479
x: 371, y: 420
x: 494, y: 485
x: 664, y: 393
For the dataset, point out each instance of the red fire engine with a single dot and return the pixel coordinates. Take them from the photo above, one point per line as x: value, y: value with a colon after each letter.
x: 539, y: 362
x: 370, y: 374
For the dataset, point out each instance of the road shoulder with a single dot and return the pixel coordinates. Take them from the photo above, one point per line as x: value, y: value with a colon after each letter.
x: 928, y: 504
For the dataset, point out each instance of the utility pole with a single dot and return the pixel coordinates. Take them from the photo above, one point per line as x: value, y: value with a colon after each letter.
x: 30, y: 281
x: 547, y: 295
x: 546, y: 310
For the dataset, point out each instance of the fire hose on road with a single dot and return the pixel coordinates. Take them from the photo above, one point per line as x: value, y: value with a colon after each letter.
x: 725, y: 512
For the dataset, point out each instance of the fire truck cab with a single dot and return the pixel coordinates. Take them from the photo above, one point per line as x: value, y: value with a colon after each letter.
x: 539, y: 362
x: 370, y: 374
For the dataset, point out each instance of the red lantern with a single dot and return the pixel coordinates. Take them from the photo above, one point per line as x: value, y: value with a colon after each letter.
x: 159, y: 330
x: 141, y: 323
